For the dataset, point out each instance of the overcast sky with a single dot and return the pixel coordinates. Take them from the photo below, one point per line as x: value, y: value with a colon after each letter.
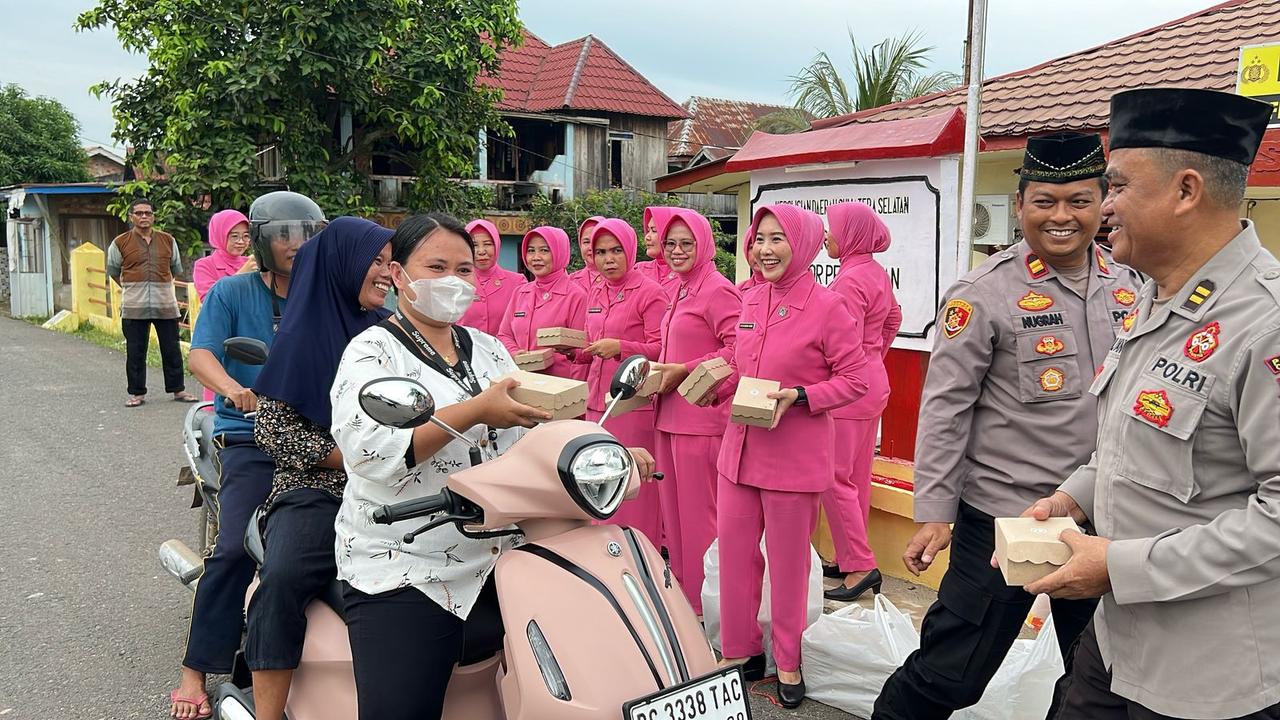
x: 736, y: 49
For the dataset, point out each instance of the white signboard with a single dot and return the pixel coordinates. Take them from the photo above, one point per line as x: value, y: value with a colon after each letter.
x: 917, y: 201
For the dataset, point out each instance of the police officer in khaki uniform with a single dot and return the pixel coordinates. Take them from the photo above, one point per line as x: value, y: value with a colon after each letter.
x: 1184, y: 489
x: 1005, y: 415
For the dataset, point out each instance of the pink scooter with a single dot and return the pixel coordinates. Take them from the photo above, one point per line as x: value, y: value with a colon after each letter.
x: 596, y: 625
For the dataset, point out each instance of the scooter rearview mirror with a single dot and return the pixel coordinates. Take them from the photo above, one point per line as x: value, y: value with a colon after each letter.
x: 397, y: 402
x: 250, y: 351
x: 630, y: 375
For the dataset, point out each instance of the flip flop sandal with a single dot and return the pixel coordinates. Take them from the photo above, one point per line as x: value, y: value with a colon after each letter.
x: 185, y: 397
x: 134, y: 401
x: 175, y: 698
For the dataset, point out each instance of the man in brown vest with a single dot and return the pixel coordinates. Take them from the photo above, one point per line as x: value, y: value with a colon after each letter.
x: 144, y: 262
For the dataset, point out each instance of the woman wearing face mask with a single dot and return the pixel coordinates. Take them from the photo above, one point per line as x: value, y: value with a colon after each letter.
x: 624, y: 318
x: 551, y: 300
x: 229, y: 236
x: 656, y: 268
x: 587, y: 277
x: 798, y: 333
x: 339, y: 282
x: 701, y: 324
x: 494, y: 284
x: 856, y: 233
x: 413, y: 611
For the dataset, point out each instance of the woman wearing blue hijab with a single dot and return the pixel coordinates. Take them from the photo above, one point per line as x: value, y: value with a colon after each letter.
x: 339, y: 282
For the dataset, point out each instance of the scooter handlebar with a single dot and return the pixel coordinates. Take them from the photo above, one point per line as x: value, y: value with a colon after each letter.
x: 408, y: 509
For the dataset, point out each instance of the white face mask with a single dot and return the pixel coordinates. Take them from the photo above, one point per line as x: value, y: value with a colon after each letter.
x: 443, y: 299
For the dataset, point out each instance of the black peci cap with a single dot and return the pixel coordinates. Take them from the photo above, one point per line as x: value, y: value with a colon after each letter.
x: 1214, y: 123
x: 1063, y: 158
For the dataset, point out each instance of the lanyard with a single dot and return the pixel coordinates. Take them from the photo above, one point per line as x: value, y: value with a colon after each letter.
x: 469, y: 383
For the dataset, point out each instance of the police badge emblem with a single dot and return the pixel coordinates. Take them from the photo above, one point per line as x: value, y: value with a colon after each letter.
x: 1035, y: 302
x: 955, y: 318
x: 1203, y: 343
x: 1154, y: 407
x: 1052, y: 380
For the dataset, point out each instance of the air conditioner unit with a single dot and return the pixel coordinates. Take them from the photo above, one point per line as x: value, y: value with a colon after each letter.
x: 994, y: 220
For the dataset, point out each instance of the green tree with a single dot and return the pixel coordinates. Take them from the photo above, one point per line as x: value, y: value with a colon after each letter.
x: 627, y: 205
x: 890, y: 71
x: 231, y: 79
x: 39, y: 140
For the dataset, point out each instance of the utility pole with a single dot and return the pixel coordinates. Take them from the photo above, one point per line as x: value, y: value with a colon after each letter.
x: 972, y: 121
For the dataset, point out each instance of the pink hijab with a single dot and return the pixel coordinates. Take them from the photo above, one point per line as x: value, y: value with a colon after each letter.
x: 658, y: 214
x: 485, y: 225
x: 208, y: 270
x: 805, y: 233
x: 626, y: 235
x: 558, y: 241
x: 705, y: 261
x: 858, y: 232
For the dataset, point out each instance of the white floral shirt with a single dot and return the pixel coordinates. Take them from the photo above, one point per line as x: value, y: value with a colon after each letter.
x: 446, y: 566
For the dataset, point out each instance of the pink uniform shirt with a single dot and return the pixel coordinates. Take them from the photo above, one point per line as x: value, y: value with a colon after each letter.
x: 657, y: 269
x: 867, y: 290
x: 208, y: 270
x: 550, y: 301
x: 701, y: 323
x: 494, y: 287
x: 587, y: 277
x: 798, y: 333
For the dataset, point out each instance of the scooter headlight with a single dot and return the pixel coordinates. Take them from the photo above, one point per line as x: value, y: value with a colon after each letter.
x: 595, y: 469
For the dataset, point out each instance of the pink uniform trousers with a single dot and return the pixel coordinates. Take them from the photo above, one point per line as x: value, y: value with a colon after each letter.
x: 644, y: 511
x: 848, y: 502
x: 688, y: 497
x: 786, y: 519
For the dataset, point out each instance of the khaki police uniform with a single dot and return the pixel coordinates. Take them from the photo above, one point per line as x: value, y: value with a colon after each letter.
x: 1186, y: 485
x: 1005, y: 416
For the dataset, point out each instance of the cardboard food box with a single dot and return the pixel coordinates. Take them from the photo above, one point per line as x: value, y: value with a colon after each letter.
x: 644, y: 394
x: 1028, y: 549
x: 563, y: 398
x: 534, y: 360
x: 704, y: 378
x: 752, y: 405
x: 561, y: 337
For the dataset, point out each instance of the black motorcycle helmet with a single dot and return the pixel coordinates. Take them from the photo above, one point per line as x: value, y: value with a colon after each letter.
x: 285, y: 216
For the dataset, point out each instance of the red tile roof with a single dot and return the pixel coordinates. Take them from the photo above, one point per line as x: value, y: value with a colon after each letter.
x: 1074, y: 92
x: 715, y: 127
x: 583, y: 74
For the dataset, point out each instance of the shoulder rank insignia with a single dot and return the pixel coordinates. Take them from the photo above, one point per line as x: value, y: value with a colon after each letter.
x: 1050, y: 345
x: 1124, y: 296
x: 1034, y: 301
x: 1052, y: 380
x: 1203, y: 343
x: 1154, y: 407
x: 1129, y: 320
x: 1102, y: 262
x: 1036, y: 267
x: 1204, y: 290
x: 955, y: 317
x: 1273, y: 364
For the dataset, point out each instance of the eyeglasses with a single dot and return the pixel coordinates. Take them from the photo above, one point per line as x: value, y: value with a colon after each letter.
x: 143, y: 213
x: 685, y: 247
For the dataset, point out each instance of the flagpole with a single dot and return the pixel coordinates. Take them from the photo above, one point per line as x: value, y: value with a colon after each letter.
x: 972, y: 117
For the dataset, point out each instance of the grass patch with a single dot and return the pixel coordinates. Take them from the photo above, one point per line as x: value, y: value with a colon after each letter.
x: 36, y: 320
x: 100, y: 338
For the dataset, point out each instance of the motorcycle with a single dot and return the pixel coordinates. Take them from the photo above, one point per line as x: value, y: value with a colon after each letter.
x: 203, y: 472
x: 608, y: 631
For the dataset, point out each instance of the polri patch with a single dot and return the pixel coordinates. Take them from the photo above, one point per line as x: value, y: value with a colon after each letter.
x: 1036, y: 267
x: 1052, y: 380
x: 1050, y: 345
x: 1203, y: 343
x: 955, y: 317
x: 1124, y: 296
x: 1035, y: 302
x: 1273, y: 364
x: 1154, y: 407
x: 1203, y: 291
x: 1129, y: 320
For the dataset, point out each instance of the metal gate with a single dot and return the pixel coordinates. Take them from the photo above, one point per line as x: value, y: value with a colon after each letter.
x: 30, y: 289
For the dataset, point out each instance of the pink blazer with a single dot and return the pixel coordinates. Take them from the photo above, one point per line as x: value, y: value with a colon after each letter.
x: 660, y: 273
x: 632, y: 314
x: 493, y: 295
x: 531, y: 309
x: 868, y: 291
x: 813, y: 341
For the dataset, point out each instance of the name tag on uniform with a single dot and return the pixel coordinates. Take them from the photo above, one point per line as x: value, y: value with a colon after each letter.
x: 595, y: 311
x: 746, y: 326
x: 520, y: 313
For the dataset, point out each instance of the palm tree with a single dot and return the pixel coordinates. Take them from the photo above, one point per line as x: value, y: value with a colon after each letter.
x: 891, y: 71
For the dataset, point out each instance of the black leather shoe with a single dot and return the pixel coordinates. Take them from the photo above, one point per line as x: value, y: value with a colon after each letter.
x: 871, y: 582
x: 791, y: 695
x: 753, y: 669
x: 832, y: 571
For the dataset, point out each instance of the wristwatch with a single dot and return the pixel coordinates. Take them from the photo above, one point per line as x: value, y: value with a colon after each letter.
x: 802, y: 398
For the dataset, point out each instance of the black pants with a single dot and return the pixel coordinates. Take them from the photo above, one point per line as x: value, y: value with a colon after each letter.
x: 404, y: 647
x: 298, y: 566
x: 1086, y: 691
x: 217, y: 615
x: 137, y: 336
x: 969, y: 630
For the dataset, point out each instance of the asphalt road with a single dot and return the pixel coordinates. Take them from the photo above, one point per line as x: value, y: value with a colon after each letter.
x: 91, y: 625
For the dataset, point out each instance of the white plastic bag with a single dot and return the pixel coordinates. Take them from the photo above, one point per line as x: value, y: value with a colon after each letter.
x: 711, y: 598
x: 1023, y: 686
x: 849, y: 654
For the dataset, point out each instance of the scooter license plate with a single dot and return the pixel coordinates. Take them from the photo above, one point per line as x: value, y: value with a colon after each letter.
x: 721, y: 695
